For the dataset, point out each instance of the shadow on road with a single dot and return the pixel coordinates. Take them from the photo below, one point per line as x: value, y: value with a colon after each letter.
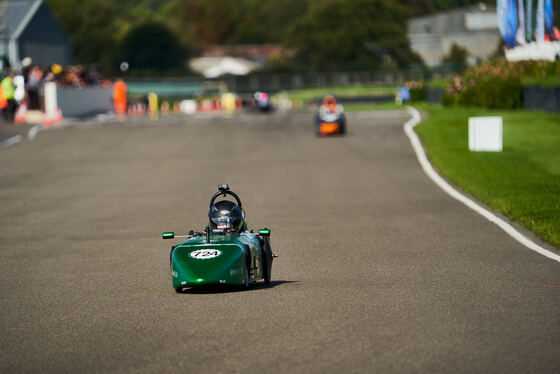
x: 214, y: 289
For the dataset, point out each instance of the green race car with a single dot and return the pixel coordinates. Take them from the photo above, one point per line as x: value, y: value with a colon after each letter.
x: 225, y: 253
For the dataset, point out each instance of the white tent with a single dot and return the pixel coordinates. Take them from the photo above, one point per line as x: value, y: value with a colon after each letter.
x: 213, y: 67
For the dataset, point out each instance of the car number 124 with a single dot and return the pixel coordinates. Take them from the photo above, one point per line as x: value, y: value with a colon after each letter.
x: 205, y: 254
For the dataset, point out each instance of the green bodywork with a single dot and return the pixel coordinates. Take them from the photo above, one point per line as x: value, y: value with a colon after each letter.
x: 231, y: 259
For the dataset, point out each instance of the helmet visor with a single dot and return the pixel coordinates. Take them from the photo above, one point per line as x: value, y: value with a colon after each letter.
x: 223, y: 222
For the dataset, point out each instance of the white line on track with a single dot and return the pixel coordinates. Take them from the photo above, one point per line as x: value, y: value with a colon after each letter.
x: 10, y: 141
x: 33, y: 132
x: 437, y: 179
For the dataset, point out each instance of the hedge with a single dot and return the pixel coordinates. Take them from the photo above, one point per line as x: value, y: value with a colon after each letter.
x: 497, y: 84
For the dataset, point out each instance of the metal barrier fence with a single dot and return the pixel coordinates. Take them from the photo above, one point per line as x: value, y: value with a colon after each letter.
x: 189, y: 87
x: 277, y: 82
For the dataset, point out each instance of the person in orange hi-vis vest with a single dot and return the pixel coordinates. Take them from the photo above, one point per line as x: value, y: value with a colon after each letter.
x: 3, y: 105
x: 119, y: 98
x: 3, y: 101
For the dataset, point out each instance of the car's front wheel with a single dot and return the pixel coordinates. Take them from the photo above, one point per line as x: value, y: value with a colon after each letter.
x: 247, y: 268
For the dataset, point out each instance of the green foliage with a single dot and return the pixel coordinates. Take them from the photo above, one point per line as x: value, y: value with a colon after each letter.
x: 420, y: 7
x: 90, y: 26
x: 201, y: 23
x: 484, y: 91
x: 278, y: 65
x: 352, y: 35
x: 457, y: 55
x: 153, y: 47
x: 329, y: 34
x: 550, y: 81
x: 417, y: 90
x: 496, y: 84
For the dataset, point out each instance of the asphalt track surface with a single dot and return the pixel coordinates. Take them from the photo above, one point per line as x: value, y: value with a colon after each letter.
x: 379, y: 270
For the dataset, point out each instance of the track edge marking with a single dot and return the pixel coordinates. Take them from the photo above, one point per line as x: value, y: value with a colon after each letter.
x: 447, y: 188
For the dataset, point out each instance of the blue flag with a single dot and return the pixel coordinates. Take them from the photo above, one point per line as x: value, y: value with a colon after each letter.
x: 507, y: 20
x: 548, y: 16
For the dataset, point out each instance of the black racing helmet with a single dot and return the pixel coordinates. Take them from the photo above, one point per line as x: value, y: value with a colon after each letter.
x: 226, y: 215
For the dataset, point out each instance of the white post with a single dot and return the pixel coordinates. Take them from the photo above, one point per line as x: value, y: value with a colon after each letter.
x: 50, y: 98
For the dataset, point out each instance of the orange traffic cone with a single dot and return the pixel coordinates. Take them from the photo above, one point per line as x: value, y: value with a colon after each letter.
x: 52, y: 117
x: 21, y: 114
x: 165, y: 108
x: 206, y: 106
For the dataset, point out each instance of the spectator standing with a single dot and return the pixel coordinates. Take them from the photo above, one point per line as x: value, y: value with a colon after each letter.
x: 119, y: 99
x: 33, y: 83
x: 8, y: 90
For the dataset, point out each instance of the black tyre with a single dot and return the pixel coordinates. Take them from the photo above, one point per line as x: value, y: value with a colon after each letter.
x: 266, y: 259
x: 266, y: 275
x: 342, y: 124
x: 247, y: 283
x: 179, y: 289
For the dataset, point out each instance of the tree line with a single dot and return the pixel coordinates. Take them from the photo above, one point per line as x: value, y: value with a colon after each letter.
x: 158, y: 36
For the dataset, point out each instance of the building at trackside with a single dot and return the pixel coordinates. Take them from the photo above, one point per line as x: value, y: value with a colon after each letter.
x: 28, y: 29
x: 474, y: 28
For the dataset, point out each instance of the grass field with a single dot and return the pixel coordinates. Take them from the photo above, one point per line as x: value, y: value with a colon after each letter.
x: 522, y: 181
x: 356, y: 107
x: 305, y: 95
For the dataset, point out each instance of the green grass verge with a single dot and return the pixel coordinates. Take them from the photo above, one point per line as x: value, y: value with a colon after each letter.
x: 305, y: 95
x: 522, y: 181
x: 438, y: 83
x: 357, y: 107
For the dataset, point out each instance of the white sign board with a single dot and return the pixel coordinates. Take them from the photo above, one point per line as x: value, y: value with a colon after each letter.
x: 485, y: 134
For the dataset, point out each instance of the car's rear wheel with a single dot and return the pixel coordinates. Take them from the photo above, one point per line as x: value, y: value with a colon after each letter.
x: 267, y: 257
x: 266, y: 275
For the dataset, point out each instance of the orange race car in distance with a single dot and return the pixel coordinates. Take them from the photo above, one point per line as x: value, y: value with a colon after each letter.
x: 330, y: 120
